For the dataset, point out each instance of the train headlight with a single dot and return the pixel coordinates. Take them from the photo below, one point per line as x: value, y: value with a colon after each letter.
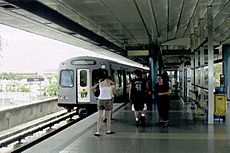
x: 63, y: 98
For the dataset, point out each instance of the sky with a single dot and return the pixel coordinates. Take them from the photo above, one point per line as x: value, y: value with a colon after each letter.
x: 22, y: 51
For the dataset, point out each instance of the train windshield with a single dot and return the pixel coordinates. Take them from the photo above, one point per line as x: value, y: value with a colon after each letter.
x: 66, y: 78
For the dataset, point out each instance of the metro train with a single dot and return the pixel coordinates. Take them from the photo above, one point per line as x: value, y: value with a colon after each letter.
x: 77, y: 76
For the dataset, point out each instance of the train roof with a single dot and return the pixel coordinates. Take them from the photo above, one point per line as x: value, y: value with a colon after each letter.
x: 124, y: 61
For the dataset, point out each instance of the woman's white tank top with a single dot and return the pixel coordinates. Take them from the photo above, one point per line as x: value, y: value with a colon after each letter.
x: 105, y: 92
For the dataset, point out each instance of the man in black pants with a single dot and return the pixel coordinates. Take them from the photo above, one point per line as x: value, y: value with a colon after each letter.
x: 137, y: 96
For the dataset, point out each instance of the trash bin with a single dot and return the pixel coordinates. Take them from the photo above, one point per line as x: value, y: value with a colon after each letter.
x: 220, y: 106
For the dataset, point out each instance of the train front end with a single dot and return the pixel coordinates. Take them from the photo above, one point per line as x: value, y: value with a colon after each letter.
x: 76, y: 77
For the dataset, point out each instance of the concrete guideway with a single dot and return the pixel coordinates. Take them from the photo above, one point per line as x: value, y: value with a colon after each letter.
x: 10, y: 118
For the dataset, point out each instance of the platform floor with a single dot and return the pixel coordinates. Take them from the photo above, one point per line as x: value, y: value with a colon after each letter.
x: 182, y: 136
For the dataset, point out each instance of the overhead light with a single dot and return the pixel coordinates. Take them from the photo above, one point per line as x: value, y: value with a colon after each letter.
x: 138, y: 52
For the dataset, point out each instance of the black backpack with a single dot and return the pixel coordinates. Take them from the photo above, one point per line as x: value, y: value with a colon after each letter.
x: 96, y: 91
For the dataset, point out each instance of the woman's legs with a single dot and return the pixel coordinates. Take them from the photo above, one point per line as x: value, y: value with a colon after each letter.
x: 99, y: 118
x: 108, y: 116
x: 107, y: 106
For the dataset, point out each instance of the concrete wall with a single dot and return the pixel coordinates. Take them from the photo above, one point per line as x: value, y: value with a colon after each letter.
x: 22, y: 114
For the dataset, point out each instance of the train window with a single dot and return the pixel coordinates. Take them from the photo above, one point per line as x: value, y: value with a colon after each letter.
x: 128, y: 78
x: 94, y: 77
x: 83, y: 78
x: 66, y: 78
x: 116, y: 80
x: 96, y: 73
x: 119, y: 78
x: 112, y: 75
x: 83, y: 62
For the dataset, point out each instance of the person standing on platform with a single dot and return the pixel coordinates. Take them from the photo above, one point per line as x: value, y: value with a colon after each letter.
x: 137, y: 96
x: 162, y: 93
x: 104, y: 103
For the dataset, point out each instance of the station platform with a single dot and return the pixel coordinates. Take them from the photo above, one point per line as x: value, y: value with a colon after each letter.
x: 180, y: 136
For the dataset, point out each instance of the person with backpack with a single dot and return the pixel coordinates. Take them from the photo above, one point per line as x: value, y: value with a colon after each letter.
x: 137, y: 96
x: 104, y: 102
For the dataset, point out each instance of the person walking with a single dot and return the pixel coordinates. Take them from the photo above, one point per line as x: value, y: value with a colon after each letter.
x: 104, y: 103
x: 162, y: 93
x: 137, y: 96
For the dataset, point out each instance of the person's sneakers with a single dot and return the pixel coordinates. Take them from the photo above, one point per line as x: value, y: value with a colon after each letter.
x: 111, y: 132
x: 165, y: 123
x: 97, y: 134
x: 160, y: 122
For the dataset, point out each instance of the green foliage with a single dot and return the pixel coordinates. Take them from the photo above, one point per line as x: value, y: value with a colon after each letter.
x: 15, y: 86
x: 51, y: 88
x: 24, y: 89
x: 12, y: 76
x: 217, y: 72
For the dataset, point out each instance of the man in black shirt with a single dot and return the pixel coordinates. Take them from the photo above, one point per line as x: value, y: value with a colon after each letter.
x: 137, y: 93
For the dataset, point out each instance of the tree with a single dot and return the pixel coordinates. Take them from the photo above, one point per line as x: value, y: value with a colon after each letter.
x: 51, y: 88
x: 217, y: 72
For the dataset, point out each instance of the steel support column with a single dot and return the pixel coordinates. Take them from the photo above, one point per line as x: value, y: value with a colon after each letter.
x: 153, y: 60
x: 210, y: 65
x: 202, y: 62
x: 196, y: 43
x: 181, y: 73
x: 192, y: 65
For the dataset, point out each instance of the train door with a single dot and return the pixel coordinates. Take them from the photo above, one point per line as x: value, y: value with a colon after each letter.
x: 83, y: 85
